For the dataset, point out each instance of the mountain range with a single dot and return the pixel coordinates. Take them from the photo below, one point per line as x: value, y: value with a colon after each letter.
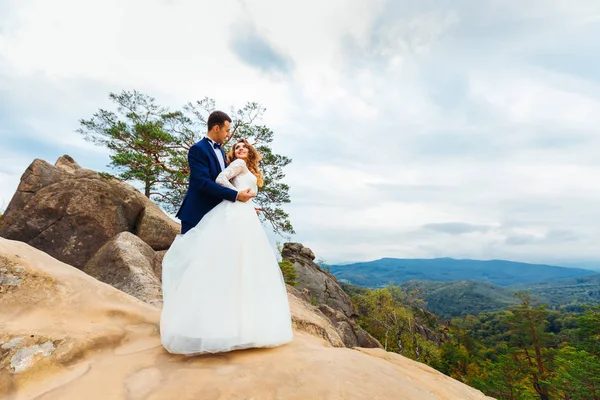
x: 451, y: 287
x: 381, y: 272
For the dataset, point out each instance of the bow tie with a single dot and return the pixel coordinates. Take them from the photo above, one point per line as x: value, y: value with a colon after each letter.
x: 216, y: 145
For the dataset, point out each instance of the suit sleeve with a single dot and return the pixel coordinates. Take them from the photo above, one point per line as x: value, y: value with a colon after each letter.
x: 200, y: 175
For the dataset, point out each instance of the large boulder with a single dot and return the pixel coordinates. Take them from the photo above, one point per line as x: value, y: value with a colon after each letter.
x: 70, y: 212
x: 66, y: 335
x: 127, y: 263
x: 155, y: 227
x: 323, y: 287
x: 158, y: 259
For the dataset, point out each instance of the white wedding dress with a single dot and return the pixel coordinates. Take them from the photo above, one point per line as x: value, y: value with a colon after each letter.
x: 222, y: 286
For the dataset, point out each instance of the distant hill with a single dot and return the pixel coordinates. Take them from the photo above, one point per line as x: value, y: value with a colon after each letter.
x: 566, y: 293
x: 458, y: 299
x: 454, y: 299
x: 379, y: 273
x: 593, y: 265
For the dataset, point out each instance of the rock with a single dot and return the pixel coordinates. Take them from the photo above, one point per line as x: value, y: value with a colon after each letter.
x: 155, y: 227
x: 9, y: 280
x: 70, y: 212
x: 12, y: 343
x: 11, y: 275
x: 365, y: 340
x: 323, y: 287
x: 332, y: 325
x: 352, y: 335
x: 158, y: 259
x: 308, y: 253
x: 127, y: 263
x: 344, y: 325
x: 25, y: 357
x: 307, y: 318
x: 67, y: 163
x: 300, y: 249
x: 94, y: 341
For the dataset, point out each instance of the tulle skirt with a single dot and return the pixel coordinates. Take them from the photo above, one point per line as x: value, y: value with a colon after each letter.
x: 222, y: 286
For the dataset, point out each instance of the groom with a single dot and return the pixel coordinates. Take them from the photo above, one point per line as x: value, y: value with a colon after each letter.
x: 206, y: 160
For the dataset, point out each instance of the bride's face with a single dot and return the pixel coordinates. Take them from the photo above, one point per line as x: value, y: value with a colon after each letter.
x: 241, y: 151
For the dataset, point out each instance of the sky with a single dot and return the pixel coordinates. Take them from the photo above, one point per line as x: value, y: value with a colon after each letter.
x: 417, y: 129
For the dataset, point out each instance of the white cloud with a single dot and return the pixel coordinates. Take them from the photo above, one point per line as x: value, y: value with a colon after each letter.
x: 536, y: 98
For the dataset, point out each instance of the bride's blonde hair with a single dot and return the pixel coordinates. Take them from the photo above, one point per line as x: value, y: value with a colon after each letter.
x: 252, y: 161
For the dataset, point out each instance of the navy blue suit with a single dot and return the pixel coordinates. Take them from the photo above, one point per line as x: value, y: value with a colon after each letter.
x: 203, y: 194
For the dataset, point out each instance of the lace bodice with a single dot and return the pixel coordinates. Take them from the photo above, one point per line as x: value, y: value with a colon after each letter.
x: 237, y: 177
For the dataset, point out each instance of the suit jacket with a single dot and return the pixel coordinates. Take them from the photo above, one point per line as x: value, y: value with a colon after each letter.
x: 203, y: 194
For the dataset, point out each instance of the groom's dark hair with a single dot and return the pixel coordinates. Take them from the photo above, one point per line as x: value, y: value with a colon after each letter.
x: 217, y: 118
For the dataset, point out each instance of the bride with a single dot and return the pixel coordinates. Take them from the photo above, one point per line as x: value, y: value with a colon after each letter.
x: 222, y: 286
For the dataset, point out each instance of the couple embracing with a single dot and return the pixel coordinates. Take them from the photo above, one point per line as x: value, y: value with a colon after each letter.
x: 222, y: 286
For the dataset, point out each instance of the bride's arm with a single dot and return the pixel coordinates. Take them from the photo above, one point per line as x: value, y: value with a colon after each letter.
x: 232, y: 170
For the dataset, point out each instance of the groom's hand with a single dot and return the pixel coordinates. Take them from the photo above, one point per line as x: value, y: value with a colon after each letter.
x: 245, y: 195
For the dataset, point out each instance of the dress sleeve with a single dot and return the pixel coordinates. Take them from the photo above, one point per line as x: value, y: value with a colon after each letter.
x: 232, y: 170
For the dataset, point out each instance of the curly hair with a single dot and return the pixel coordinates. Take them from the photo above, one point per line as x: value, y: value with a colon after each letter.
x: 251, y: 162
